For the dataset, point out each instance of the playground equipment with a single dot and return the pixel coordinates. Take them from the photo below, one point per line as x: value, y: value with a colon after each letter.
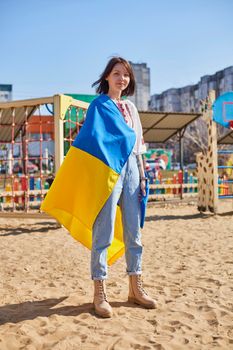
x: 214, y: 186
x: 23, y: 184
x: 25, y: 178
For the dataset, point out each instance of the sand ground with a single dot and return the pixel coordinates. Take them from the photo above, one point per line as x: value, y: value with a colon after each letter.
x: 46, y: 292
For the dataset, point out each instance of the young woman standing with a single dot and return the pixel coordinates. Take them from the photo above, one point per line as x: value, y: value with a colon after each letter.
x: 117, y: 81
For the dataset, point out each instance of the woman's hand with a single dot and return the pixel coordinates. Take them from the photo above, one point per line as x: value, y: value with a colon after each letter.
x: 142, y: 189
x: 143, y: 179
x: 143, y: 186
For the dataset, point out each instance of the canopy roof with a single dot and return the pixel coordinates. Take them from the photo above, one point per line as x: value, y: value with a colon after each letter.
x: 161, y: 126
x: 10, y: 111
x: 226, y: 139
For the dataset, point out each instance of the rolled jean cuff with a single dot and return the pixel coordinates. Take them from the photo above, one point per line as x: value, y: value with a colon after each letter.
x: 134, y: 273
x: 98, y: 278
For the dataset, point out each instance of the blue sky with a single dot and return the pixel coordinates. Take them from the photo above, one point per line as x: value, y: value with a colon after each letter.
x: 62, y: 46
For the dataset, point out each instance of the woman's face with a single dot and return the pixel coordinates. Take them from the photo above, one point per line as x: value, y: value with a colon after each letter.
x: 118, y: 79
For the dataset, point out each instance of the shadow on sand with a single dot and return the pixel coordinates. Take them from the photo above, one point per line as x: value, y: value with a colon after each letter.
x: 186, y: 217
x: 39, y: 227
x: 29, y: 310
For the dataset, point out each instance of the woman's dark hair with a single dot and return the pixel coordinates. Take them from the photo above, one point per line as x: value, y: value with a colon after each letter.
x: 102, y: 83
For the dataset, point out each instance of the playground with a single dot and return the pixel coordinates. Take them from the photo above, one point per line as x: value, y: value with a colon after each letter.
x: 46, y: 290
x: 28, y: 166
x: 29, y: 161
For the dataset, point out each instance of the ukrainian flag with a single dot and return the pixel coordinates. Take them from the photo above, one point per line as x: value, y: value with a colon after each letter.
x: 89, y: 173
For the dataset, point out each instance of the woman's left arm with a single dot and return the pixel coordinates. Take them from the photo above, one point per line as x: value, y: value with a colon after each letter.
x: 142, y: 174
x: 140, y: 148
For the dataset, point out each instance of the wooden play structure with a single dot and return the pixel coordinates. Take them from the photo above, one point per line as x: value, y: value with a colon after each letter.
x: 213, y: 186
x: 20, y: 189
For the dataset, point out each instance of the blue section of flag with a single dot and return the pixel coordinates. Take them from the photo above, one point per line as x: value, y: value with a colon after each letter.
x: 223, y: 109
x: 105, y: 135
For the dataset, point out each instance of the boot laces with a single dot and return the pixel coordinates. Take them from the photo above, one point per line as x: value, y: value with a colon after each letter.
x: 140, y: 287
x: 101, y: 290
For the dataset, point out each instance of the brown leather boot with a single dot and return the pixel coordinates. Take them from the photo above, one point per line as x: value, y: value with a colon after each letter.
x: 137, y: 294
x: 101, y: 305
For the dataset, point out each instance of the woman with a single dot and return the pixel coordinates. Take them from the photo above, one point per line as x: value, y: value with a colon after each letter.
x: 117, y: 81
x: 104, y: 168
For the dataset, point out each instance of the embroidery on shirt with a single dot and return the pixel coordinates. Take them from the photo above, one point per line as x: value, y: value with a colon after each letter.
x: 124, y: 108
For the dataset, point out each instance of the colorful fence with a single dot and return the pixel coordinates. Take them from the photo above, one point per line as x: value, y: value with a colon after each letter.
x: 181, y: 185
x: 225, y: 181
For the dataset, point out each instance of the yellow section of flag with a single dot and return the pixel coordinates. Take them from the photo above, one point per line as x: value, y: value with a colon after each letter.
x: 78, y: 193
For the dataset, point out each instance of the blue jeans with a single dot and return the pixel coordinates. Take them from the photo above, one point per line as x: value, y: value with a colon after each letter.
x: 126, y: 191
